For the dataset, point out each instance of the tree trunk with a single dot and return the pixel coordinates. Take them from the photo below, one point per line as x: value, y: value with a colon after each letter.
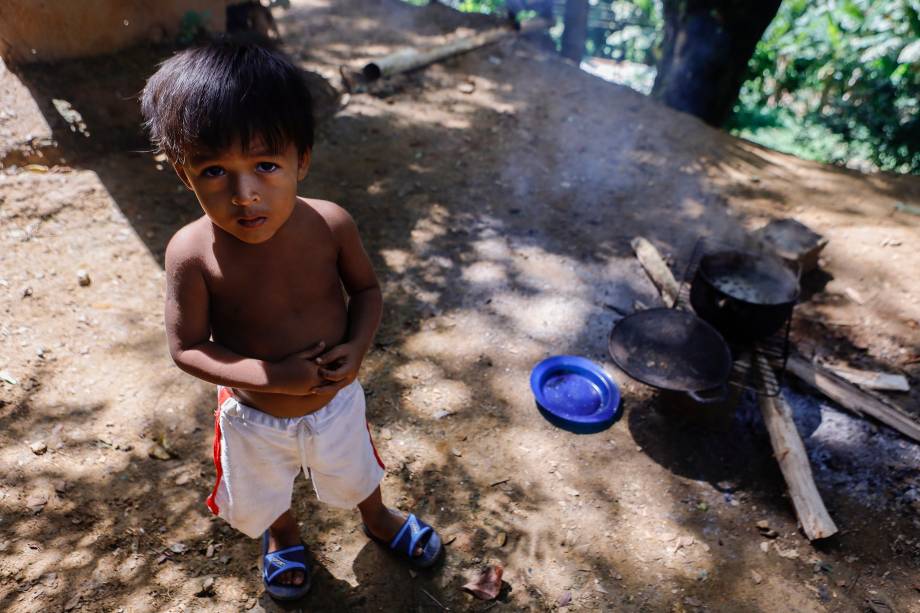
x: 706, y: 48
x: 576, y: 29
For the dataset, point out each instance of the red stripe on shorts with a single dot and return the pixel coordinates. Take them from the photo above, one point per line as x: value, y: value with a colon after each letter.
x: 373, y: 446
x: 223, y: 394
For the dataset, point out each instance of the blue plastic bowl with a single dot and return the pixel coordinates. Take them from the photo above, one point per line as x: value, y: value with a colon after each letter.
x: 576, y: 394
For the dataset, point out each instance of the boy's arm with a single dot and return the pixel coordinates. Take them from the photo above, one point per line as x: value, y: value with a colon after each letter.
x: 365, y: 303
x: 188, y: 333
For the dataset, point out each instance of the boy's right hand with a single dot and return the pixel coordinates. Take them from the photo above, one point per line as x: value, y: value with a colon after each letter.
x: 299, y: 371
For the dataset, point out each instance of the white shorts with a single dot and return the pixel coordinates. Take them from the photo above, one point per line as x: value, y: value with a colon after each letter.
x: 257, y: 457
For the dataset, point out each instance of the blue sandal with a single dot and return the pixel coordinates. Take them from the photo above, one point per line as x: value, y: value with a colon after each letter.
x: 414, y: 534
x: 281, y: 561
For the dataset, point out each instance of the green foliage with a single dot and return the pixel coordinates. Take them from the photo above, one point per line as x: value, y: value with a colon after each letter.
x: 626, y: 30
x: 838, y: 81
x: 469, y: 6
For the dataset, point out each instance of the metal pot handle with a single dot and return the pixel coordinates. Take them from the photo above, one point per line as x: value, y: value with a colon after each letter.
x: 721, y: 393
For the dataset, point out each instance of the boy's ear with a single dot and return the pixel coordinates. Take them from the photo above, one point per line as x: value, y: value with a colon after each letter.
x: 303, y: 164
x: 183, y: 176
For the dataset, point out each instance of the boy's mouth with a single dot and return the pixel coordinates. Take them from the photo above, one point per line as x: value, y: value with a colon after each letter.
x: 252, y: 222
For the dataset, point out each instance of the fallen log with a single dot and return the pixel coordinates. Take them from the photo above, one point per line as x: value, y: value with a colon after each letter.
x: 657, y: 270
x: 852, y: 398
x: 790, y: 453
x: 412, y: 58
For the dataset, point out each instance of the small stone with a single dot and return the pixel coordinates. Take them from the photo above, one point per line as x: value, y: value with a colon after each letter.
x: 38, y: 447
x: 500, y: 539
x: 789, y: 554
x: 412, y: 573
x: 83, y: 278
x: 565, y: 599
x: 764, y: 546
x: 183, y: 479
x: 27, y: 292
x: 158, y: 452
x: 763, y: 524
x: 210, y: 551
x: 456, y: 452
x: 178, y: 548
x: 758, y: 579
x: 206, y: 587
x: 467, y: 87
x: 8, y: 378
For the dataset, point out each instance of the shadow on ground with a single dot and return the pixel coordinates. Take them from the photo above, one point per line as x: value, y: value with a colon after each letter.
x: 499, y: 224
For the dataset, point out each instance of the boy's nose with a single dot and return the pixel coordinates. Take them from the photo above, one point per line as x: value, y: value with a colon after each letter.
x: 244, y: 194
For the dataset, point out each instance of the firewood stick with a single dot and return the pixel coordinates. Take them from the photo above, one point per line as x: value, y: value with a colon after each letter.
x: 789, y: 451
x: 852, y: 398
x: 657, y: 270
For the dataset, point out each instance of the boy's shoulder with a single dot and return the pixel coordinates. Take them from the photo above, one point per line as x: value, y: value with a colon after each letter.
x: 186, y: 244
x: 336, y: 217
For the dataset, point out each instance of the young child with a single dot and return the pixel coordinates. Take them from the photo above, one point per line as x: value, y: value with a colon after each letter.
x: 255, y: 304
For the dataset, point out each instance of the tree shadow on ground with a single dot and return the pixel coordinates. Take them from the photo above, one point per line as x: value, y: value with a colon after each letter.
x: 504, y: 214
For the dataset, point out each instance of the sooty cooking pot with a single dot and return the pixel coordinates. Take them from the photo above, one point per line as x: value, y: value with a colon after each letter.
x: 745, y: 296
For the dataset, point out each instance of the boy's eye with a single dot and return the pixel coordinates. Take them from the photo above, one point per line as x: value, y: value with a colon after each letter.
x: 212, y: 171
x: 266, y: 166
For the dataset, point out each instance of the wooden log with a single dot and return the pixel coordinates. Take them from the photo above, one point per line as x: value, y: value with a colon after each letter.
x: 411, y: 58
x: 657, y: 270
x: 790, y: 453
x: 871, y: 379
x: 852, y: 398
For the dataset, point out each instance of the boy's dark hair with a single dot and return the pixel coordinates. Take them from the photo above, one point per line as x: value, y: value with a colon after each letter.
x: 210, y: 96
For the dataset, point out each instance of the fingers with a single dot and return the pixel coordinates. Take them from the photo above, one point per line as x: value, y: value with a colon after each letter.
x: 336, y: 353
x: 312, y: 352
x: 334, y: 375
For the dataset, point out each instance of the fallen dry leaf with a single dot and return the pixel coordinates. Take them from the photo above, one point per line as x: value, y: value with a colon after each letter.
x: 487, y: 584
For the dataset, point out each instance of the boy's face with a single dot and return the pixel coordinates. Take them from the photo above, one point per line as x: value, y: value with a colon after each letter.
x: 248, y: 194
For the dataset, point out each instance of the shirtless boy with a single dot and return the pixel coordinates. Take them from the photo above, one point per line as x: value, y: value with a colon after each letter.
x: 255, y: 305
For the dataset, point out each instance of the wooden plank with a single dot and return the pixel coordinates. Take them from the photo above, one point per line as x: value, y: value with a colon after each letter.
x: 790, y: 453
x: 852, y: 398
x: 657, y: 270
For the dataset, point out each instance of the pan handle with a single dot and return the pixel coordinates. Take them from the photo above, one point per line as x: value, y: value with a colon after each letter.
x: 719, y: 394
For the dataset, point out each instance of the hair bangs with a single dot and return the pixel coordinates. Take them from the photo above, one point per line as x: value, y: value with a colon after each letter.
x: 214, y: 97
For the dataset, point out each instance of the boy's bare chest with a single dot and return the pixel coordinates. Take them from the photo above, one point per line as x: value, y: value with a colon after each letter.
x: 272, y: 287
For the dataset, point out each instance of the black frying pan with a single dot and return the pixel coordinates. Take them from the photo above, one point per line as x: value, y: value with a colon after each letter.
x: 673, y: 350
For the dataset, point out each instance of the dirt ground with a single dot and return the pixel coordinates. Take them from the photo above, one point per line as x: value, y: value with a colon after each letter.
x: 499, y: 223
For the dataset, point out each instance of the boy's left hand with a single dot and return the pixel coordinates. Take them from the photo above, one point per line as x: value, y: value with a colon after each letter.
x: 339, y: 366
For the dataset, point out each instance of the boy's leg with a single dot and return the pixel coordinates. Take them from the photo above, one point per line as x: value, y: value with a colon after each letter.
x: 284, y: 533
x: 381, y: 521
